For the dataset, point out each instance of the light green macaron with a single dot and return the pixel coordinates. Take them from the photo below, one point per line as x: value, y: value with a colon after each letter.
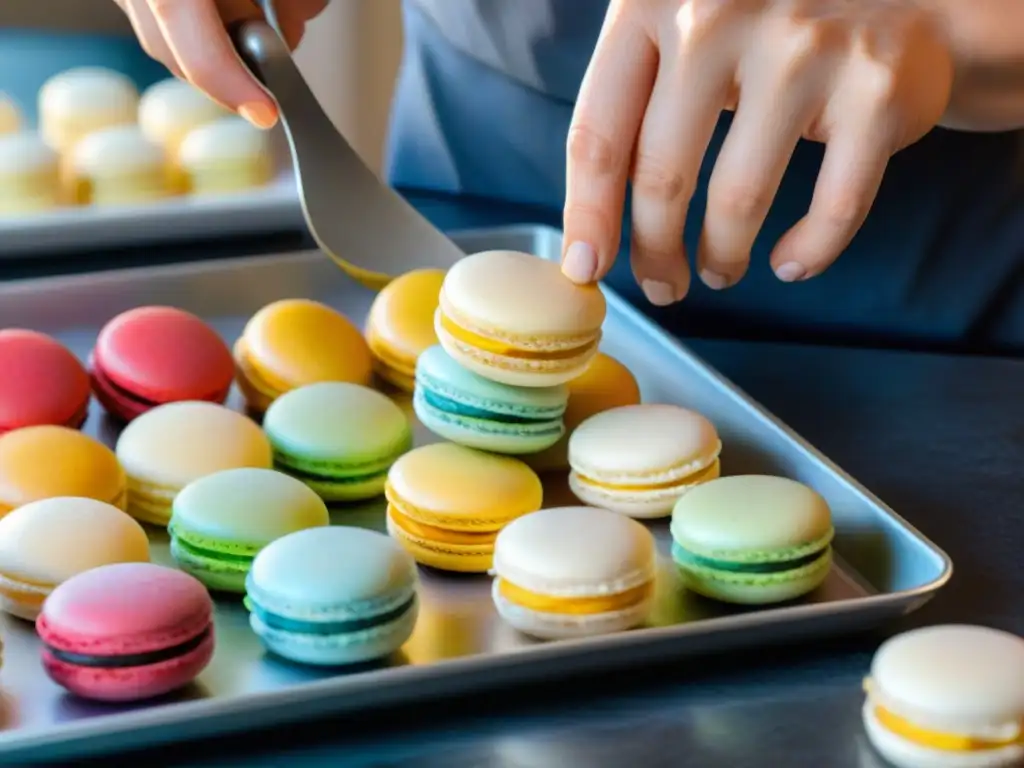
x: 222, y: 521
x: 752, y: 539
x: 339, y: 439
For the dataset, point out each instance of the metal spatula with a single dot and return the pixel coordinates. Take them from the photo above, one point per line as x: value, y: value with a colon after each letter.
x: 369, y: 230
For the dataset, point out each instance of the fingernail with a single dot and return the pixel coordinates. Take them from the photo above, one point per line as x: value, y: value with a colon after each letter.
x: 259, y: 114
x: 713, y: 280
x: 790, y: 272
x: 658, y: 293
x: 580, y: 264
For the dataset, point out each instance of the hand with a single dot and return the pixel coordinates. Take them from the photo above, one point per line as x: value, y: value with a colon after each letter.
x: 866, y: 77
x: 189, y: 37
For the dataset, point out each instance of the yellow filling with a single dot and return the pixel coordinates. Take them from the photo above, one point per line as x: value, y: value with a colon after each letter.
x: 29, y: 597
x: 708, y: 473
x: 439, y: 535
x: 574, y: 606
x: 497, y: 347
x: 948, y: 742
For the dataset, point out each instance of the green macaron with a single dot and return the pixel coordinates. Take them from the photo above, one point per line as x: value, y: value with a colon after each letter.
x: 752, y: 539
x: 220, y: 522
x: 339, y: 439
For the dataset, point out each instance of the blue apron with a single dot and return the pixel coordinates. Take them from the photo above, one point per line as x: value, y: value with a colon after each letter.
x: 482, y: 107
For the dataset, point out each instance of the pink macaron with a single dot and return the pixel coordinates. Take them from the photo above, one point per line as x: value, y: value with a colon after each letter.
x: 155, y: 355
x: 126, y: 632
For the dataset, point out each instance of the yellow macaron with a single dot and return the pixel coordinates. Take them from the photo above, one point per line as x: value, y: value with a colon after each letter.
x: 29, y: 174
x: 400, y: 325
x: 45, y: 543
x: 226, y: 155
x: 447, y: 503
x: 82, y: 100
x: 118, y: 166
x: 10, y: 115
x: 46, y: 461
x: 516, y: 319
x: 606, y: 384
x: 295, y: 342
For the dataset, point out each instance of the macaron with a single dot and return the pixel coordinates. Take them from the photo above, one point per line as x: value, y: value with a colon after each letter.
x: 45, y: 543
x: 170, y: 109
x: 126, y: 632
x: 29, y: 175
x: 332, y: 596
x: 295, y: 342
x: 46, y: 461
x: 117, y: 166
x: 517, y: 319
x: 150, y: 356
x: 220, y: 522
x: 339, y: 439
x: 165, y: 449
x: 752, y: 539
x: 226, y: 155
x: 43, y: 382
x: 82, y: 100
x: 606, y: 384
x: 447, y: 503
x: 400, y: 326
x: 639, y: 459
x: 949, y: 696
x: 570, y: 572
x: 10, y: 115
x: 468, y: 409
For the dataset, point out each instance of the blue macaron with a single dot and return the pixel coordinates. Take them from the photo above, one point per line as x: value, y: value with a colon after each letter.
x: 332, y: 596
x: 468, y: 409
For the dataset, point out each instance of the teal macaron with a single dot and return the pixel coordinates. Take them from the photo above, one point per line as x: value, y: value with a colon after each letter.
x: 468, y: 409
x: 338, y: 438
x: 220, y: 522
x: 332, y: 597
x: 752, y: 539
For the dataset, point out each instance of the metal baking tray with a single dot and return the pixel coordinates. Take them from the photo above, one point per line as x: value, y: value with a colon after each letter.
x: 270, y: 208
x: 883, y: 567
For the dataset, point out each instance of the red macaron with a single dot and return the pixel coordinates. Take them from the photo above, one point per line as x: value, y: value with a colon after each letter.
x: 155, y: 355
x: 41, y: 382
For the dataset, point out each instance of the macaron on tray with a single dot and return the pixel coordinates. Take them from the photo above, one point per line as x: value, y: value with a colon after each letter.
x: 198, y: 508
x: 103, y: 153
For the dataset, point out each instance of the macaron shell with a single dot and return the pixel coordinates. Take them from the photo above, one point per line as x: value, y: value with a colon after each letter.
x: 126, y: 608
x: 750, y: 518
x: 400, y: 325
x: 459, y: 488
x: 296, y: 342
x: 163, y: 354
x: 43, y: 382
x: 238, y: 509
x: 45, y: 461
x: 575, y: 552
x: 174, y: 444
x: 960, y: 678
x: 649, y: 442
x: 605, y: 384
x: 443, y: 555
x: 523, y: 298
x: 49, y: 541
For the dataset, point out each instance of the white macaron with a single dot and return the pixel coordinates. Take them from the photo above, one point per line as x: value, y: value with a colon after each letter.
x: 948, y: 697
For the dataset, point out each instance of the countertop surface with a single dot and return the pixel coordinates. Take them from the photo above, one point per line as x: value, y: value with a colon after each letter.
x: 938, y: 437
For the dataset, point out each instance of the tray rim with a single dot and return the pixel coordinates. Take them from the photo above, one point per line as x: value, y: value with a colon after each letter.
x: 145, y: 720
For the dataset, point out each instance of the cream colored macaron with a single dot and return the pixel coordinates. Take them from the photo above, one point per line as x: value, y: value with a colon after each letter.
x: 172, y: 108
x: 45, y: 543
x: 10, y: 115
x: 79, y: 101
x: 118, y: 166
x: 227, y: 155
x: 29, y: 174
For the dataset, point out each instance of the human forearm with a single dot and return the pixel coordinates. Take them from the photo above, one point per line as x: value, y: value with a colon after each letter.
x: 987, y: 39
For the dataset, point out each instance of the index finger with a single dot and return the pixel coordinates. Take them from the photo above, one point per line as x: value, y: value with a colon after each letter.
x: 605, y: 124
x: 196, y: 35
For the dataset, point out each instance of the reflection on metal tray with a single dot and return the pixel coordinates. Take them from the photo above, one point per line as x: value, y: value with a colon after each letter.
x: 271, y: 208
x: 884, y: 568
